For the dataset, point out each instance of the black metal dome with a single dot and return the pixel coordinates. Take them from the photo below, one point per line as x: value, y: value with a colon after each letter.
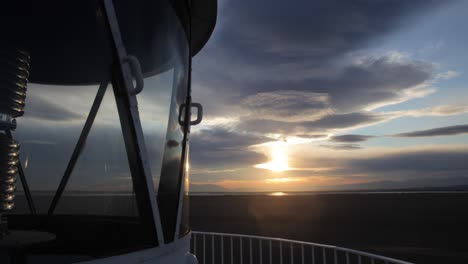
x: 68, y: 42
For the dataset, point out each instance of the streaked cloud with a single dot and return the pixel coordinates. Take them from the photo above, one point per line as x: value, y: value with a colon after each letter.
x: 342, y: 146
x: 440, y: 110
x: 46, y: 110
x: 439, y: 131
x: 325, y: 124
x: 350, y: 138
x: 448, y: 74
x: 288, y: 105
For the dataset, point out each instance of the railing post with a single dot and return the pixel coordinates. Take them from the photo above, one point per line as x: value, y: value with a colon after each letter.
x: 261, y: 252
x: 302, y: 253
x: 241, y: 255
x: 250, y: 241
x: 335, y: 256
x: 292, y: 253
x: 313, y: 254
x: 222, y: 249
x: 212, y: 249
x: 324, y: 259
x: 271, y: 257
x: 347, y: 257
x: 204, y: 249
x: 281, y: 252
x: 232, y: 251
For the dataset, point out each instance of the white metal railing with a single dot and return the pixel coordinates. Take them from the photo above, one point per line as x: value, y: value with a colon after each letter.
x: 221, y: 248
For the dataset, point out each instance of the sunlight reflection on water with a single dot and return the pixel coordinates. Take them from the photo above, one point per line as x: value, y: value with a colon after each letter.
x: 278, y: 194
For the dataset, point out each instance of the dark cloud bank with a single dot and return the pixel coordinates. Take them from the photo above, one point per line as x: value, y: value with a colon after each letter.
x: 431, y: 162
x: 224, y: 149
x: 291, y: 74
x: 411, y: 169
x: 260, y: 46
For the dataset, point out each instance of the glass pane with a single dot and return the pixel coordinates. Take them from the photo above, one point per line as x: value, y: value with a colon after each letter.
x: 101, y: 182
x: 47, y: 133
x: 169, y: 187
x: 153, y: 104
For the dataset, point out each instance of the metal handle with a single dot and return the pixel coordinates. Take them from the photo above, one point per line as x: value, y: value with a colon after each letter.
x: 135, y: 68
x: 199, y: 114
x: 195, y: 122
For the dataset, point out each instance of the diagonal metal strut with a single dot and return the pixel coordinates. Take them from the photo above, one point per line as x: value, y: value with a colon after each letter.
x: 127, y: 106
x: 79, y: 145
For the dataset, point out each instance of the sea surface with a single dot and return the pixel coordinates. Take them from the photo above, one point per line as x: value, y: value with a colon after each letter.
x: 421, y: 227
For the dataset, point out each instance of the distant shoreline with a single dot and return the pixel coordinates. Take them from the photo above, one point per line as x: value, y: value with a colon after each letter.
x: 321, y: 193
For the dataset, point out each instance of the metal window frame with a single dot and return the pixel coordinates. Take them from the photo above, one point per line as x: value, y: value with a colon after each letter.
x: 184, y: 173
x: 127, y: 106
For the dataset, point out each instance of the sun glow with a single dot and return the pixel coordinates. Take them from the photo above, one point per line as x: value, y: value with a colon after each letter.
x: 278, y: 194
x: 279, y: 158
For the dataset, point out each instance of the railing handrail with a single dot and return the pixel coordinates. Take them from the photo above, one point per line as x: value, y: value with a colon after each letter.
x: 353, y: 251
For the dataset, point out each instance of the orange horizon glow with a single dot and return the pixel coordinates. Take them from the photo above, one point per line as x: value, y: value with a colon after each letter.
x: 286, y: 183
x: 283, y: 180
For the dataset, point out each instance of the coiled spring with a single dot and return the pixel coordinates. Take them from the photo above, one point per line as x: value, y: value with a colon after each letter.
x: 14, y: 74
x: 9, y: 153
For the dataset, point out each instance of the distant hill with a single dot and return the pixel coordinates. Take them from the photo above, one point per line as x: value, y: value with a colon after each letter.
x: 194, y: 187
x: 456, y: 188
x: 429, y: 184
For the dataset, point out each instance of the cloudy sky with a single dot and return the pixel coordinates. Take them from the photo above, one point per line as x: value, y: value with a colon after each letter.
x: 318, y: 95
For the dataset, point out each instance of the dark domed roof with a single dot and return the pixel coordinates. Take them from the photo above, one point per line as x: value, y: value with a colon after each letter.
x: 69, y: 44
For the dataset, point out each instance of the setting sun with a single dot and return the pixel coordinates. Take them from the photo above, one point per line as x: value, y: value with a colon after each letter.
x: 279, y: 158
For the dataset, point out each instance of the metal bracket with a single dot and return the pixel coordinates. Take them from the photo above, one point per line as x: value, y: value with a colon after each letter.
x: 135, y: 68
x: 199, y: 118
x: 7, y: 122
